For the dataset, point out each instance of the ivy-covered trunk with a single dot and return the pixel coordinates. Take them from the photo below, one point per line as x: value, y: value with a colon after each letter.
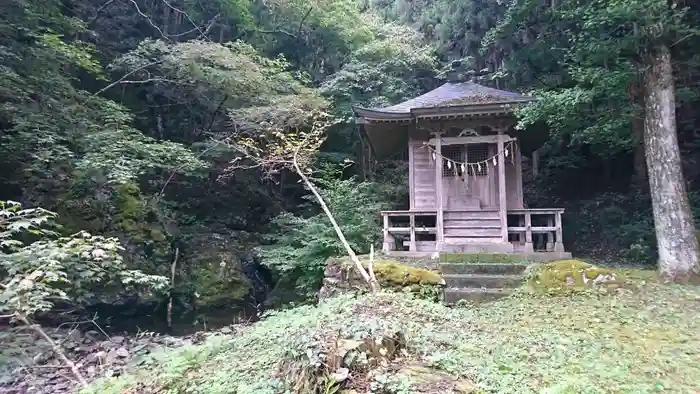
x: 673, y: 219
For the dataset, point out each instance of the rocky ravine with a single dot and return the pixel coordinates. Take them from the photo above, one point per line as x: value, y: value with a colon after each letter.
x: 28, y: 365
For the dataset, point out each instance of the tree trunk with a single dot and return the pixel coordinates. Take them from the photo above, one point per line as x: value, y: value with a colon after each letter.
x: 673, y: 219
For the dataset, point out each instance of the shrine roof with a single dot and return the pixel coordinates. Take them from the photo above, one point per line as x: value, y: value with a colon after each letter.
x: 460, y: 98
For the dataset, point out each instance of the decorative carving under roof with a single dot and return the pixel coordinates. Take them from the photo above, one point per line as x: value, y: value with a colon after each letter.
x: 450, y: 99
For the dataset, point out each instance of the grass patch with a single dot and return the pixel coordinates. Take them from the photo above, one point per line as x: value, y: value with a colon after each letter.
x: 639, y: 341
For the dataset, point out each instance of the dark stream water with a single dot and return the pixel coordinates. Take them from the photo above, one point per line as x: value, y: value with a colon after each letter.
x: 132, y: 317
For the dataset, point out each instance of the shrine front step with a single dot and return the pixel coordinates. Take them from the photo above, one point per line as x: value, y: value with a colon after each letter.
x: 488, y: 281
x: 453, y: 295
x: 483, y: 268
x: 479, y: 283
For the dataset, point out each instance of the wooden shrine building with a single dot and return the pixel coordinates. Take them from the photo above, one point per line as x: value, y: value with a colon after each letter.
x: 465, y: 174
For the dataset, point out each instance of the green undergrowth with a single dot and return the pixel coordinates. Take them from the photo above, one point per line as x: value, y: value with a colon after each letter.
x: 482, y: 258
x: 639, y: 341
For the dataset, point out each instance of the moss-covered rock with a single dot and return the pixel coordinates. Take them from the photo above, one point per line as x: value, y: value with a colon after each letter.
x: 341, y: 276
x: 393, y: 273
x: 569, y: 276
x: 215, y: 272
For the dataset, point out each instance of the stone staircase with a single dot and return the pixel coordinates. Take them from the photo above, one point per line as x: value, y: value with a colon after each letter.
x: 480, y: 282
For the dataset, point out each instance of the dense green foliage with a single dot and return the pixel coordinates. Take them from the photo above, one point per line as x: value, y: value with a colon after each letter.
x: 39, y: 268
x: 169, y: 124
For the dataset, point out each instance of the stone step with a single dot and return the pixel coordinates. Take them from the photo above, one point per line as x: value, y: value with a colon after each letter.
x: 453, y: 295
x: 482, y: 269
x: 476, y: 245
x: 482, y: 281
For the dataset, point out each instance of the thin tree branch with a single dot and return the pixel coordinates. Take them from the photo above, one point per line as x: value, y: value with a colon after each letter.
x: 150, y: 21
x: 202, y: 33
x: 136, y: 82
x: 286, y: 33
x: 55, y: 347
x: 118, y: 81
x: 374, y: 286
x: 99, y: 11
x: 211, y: 124
x: 682, y: 39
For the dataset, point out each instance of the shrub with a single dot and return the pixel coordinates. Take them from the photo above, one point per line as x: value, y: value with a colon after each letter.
x: 38, y: 267
x: 303, y: 243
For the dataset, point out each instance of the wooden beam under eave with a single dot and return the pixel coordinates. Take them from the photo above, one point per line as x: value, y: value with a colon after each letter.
x: 481, y: 139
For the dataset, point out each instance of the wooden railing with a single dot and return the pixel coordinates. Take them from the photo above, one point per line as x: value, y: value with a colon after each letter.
x: 391, y: 228
x: 397, y: 223
x: 524, y: 231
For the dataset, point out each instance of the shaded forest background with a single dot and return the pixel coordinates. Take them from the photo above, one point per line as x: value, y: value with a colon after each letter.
x: 129, y: 119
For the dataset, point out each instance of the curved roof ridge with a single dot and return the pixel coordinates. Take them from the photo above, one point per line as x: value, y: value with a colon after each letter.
x: 454, y: 94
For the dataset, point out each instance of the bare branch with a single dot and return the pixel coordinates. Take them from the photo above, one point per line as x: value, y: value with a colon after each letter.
x: 370, y: 268
x: 374, y: 286
x: 136, y: 82
x: 202, y: 33
x: 682, y: 39
x: 301, y: 23
x: 150, y: 21
x: 213, y: 118
x: 56, y: 349
x: 118, y: 81
x: 208, y: 27
x: 99, y: 11
x: 286, y: 33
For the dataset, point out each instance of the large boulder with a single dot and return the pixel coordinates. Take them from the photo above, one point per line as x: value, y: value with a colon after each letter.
x: 341, y: 276
x: 216, y: 274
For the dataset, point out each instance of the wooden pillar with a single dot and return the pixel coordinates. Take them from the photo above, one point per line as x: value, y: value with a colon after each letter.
x: 502, y: 197
x: 440, y: 238
x: 550, y: 234
x: 412, y: 230
x: 528, y: 233
x: 411, y: 175
x: 559, y: 241
x: 388, y: 244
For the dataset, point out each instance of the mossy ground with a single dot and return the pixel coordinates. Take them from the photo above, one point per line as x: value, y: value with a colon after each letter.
x: 639, y: 341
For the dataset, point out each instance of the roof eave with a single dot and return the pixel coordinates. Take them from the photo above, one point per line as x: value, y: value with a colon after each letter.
x: 505, y: 107
x: 369, y: 114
